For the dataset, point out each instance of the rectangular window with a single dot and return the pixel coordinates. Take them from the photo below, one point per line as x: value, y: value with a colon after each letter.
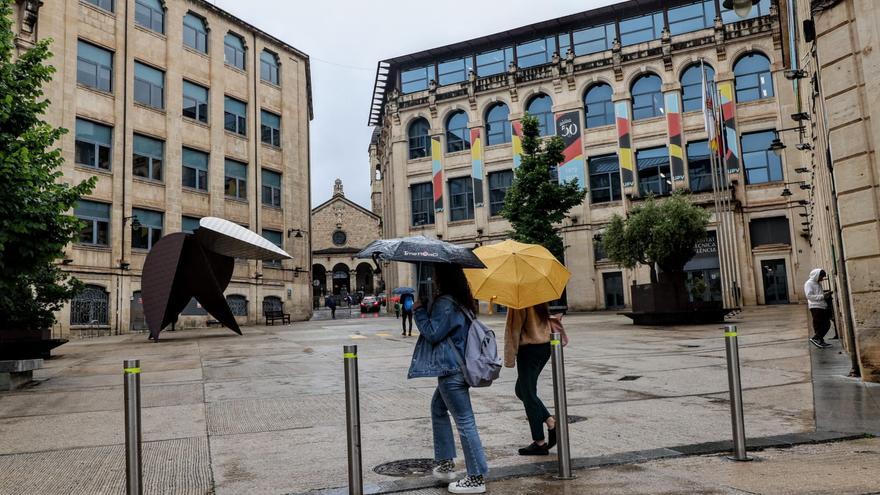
x: 96, y: 219
x: 691, y: 17
x: 699, y: 166
x: 641, y: 29
x: 494, y: 62
x: 271, y: 182
x: 93, y: 146
x: 413, y: 80
x: 773, y: 230
x: 564, y: 43
x: 270, y: 128
x: 276, y: 238
x: 194, y: 34
x: 499, y: 183
x: 536, y: 52
x: 594, y: 39
x: 149, y: 14
x: 148, y: 157
x: 422, y: 203
x: 195, y: 169
x: 728, y: 16
x: 761, y: 164
x: 103, y: 4
x: 94, y: 66
x: 235, y: 116
x: 604, y: 178
x: 453, y: 71
x: 654, y: 177
x: 149, y: 86
x: 195, y: 102
x: 236, y: 179
x: 189, y: 224
x: 150, y: 231
x: 461, y: 199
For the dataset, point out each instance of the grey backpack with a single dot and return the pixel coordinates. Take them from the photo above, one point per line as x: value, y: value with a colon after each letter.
x: 481, y: 365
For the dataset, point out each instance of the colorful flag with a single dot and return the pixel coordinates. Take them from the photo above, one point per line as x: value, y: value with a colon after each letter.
x: 709, y: 111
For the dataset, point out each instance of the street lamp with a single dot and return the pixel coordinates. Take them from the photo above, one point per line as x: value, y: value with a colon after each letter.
x: 777, y: 146
x: 741, y: 7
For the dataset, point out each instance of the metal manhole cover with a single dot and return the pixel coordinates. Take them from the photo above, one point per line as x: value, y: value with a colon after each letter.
x: 576, y: 419
x: 629, y: 378
x: 406, y: 468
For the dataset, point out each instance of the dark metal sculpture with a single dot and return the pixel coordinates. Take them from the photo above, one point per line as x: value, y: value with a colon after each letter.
x: 183, y: 266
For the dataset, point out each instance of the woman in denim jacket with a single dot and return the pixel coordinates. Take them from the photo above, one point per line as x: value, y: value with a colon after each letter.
x: 439, y: 352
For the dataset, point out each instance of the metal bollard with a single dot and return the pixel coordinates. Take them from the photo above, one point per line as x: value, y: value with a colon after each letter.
x: 561, y: 403
x: 736, y: 403
x: 353, y: 420
x: 132, y: 385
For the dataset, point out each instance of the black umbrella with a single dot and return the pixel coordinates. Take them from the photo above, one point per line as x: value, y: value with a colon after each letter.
x: 420, y: 249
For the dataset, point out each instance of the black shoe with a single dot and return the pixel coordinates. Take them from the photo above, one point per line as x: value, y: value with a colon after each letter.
x: 535, y: 449
x: 818, y: 343
x: 825, y: 345
x: 551, y: 438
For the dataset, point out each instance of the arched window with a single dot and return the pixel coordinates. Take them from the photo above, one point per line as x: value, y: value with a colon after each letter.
x: 269, y: 67
x: 497, y: 124
x: 150, y: 14
x: 458, y: 136
x: 238, y: 304
x: 541, y: 107
x: 272, y: 303
x: 753, y: 78
x: 419, y: 139
x: 692, y: 86
x: 233, y: 51
x: 598, y: 105
x: 195, y: 32
x: 91, y: 306
x: 647, y: 98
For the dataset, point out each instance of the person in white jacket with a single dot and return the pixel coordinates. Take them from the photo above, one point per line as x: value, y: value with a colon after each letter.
x: 818, y: 305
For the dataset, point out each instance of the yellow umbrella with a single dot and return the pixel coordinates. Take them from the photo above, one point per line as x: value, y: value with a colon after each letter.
x: 517, y: 275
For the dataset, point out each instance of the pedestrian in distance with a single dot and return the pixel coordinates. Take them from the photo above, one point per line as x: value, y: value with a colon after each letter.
x: 527, y: 345
x: 407, y: 302
x: 397, y: 309
x: 817, y: 302
x: 330, y: 302
x: 440, y: 352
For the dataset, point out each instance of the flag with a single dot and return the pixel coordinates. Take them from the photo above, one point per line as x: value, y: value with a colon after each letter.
x: 709, y: 111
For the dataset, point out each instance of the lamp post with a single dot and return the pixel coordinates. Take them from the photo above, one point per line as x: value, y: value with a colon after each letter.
x: 741, y: 7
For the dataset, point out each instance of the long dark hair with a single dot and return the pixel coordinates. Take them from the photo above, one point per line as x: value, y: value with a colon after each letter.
x: 543, y: 312
x: 451, y: 282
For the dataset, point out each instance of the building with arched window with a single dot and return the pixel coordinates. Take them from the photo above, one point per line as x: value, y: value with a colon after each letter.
x: 154, y: 137
x: 627, y: 79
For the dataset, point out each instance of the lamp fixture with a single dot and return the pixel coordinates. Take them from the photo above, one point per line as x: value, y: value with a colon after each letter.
x: 786, y: 192
x: 777, y: 146
x: 124, y: 265
x: 804, y: 147
x: 802, y: 170
x: 800, y: 116
x: 66, y: 261
x: 791, y: 75
x: 135, y: 223
x: 803, y: 202
x: 741, y: 7
x: 297, y: 233
x: 258, y: 275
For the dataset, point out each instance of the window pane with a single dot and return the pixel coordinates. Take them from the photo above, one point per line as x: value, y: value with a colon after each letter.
x: 494, y: 62
x: 153, y: 76
x: 691, y: 17
x: 599, y: 107
x: 594, y: 39
x: 692, y: 86
x: 148, y: 218
x: 234, y: 106
x: 498, y: 125
x: 699, y: 166
x: 235, y: 169
x: 144, y: 145
x: 416, y: 79
x: 270, y: 178
x: 641, y: 29
x: 535, y: 52
x: 452, y: 71
x: 194, y: 158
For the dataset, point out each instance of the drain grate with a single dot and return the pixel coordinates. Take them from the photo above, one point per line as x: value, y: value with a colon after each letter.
x: 576, y: 419
x: 406, y: 468
x: 629, y: 378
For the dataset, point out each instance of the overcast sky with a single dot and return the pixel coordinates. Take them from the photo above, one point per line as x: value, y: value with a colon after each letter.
x: 346, y: 38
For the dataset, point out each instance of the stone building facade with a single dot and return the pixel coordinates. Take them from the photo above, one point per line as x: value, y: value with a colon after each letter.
x: 838, y: 57
x: 182, y: 111
x: 623, y: 79
x: 341, y: 228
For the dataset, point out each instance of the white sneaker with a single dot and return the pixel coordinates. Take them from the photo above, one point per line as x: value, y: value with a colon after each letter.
x: 468, y: 484
x: 445, y: 470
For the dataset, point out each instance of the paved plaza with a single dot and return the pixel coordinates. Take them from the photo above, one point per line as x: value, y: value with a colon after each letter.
x: 264, y: 412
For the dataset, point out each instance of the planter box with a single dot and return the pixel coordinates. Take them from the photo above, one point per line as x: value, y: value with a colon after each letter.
x: 666, y: 303
x: 27, y: 344
x: 16, y: 373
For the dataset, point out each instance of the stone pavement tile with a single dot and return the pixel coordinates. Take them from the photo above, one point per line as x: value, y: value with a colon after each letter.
x: 65, y: 431
x: 793, y: 401
x: 179, y: 466
x: 64, y: 382
x: 98, y: 399
x: 156, y: 364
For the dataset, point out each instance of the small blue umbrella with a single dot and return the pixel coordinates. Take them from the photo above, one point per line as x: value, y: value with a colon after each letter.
x: 403, y: 290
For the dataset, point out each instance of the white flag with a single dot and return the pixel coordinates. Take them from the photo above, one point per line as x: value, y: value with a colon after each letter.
x: 709, y: 110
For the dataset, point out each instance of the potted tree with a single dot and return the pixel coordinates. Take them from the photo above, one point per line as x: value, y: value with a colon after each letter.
x: 34, y: 224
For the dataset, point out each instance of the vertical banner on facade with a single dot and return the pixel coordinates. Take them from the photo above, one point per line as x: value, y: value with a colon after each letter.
x: 477, y: 166
x: 437, y: 172
x: 516, y: 140
x: 624, y: 142
x: 673, y: 123
x: 568, y: 127
x: 728, y: 114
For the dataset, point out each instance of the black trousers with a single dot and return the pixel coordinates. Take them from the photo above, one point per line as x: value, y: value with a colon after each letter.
x: 530, y: 361
x: 407, y: 315
x: 821, y: 322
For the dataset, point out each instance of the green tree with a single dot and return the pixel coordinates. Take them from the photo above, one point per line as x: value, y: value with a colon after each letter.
x: 534, y: 203
x: 657, y: 233
x: 34, y: 228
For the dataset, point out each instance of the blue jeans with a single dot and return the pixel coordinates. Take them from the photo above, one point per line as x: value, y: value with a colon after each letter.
x: 452, y: 396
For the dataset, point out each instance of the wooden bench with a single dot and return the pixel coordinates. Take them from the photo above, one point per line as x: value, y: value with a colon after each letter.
x: 272, y: 315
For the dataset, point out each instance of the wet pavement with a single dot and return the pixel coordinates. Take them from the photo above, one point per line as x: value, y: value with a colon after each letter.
x: 264, y: 412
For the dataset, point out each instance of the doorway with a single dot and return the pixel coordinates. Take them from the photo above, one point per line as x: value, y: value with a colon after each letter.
x: 612, y: 284
x: 775, y: 281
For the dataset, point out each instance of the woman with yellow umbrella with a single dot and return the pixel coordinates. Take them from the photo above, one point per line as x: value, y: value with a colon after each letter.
x: 524, y: 277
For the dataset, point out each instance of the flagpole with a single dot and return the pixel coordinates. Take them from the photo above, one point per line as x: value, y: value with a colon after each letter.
x: 729, y: 241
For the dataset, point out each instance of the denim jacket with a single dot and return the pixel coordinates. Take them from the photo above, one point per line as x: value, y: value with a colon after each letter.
x: 433, y: 356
